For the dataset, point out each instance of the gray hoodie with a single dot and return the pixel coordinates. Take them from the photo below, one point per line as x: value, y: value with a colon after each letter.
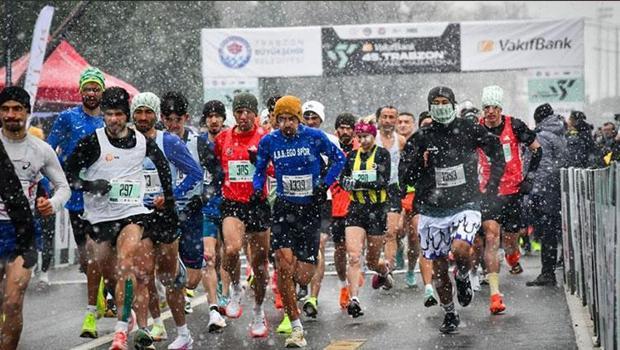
x: 550, y: 134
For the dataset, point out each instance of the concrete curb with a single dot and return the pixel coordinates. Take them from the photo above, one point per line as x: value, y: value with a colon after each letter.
x: 581, y: 322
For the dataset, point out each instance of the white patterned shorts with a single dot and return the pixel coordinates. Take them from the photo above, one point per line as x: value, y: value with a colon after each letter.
x: 437, y: 234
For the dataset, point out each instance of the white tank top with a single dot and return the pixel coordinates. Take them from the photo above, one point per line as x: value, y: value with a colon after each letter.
x: 394, y: 156
x: 124, y: 169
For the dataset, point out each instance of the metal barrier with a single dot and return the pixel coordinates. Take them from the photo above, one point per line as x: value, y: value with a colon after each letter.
x: 590, y: 228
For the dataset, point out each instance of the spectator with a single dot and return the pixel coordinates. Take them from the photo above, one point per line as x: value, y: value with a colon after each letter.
x: 581, y: 149
x: 608, y: 136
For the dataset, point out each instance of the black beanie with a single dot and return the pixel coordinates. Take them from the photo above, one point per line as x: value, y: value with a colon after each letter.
x: 174, y: 102
x: 542, y: 112
x: 214, y: 106
x: 15, y: 93
x: 115, y: 98
x: 245, y: 100
x: 345, y: 119
x: 423, y: 115
x: 441, y: 91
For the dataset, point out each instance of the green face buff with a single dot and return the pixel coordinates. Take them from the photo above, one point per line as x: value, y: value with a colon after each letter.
x: 128, y: 300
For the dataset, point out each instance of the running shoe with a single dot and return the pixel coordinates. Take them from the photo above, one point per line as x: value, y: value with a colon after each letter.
x: 400, y: 257
x: 379, y: 281
x: 410, y: 279
x: 302, y: 292
x: 158, y: 332
x: 142, y: 339
x: 222, y: 301
x: 515, y: 270
x: 285, y: 326
x: 258, y: 328
x: 311, y: 307
x: 163, y: 303
x: 233, y: 308
x: 344, y: 297
x: 216, y: 321
x: 465, y: 293
x: 89, y: 326
x: 354, y: 309
x: 296, y: 339
x: 536, y: 246
x: 189, y: 292
x: 182, y: 343
x: 474, y: 277
x: 120, y: 341
x: 277, y: 300
x: 188, y: 306
x: 101, y: 302
x: 450, y: 323
x: 110, y: 309
x: 429, y: 297
x: 497, y: 304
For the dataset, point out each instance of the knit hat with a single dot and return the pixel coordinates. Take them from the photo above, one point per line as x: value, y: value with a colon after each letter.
x: 115, y: 98
x: 92, y: 75
x: 493, y: 96
x: 316, y: 107
x: 346, y: 119
x: 542, y: 112
x: 288, y: 105
x: 214, y: 106
x: 443, y: 92
x: 365, y: 128
x: 174, y: 102
x: 15, y: 93
x: 148, y: 100
x: 245, y: 100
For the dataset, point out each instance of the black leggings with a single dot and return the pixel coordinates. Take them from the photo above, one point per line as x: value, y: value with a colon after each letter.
x: 47, y: 230
x: 548, y: 227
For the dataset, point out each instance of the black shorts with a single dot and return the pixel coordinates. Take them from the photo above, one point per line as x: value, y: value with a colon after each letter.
x: 336, y: 229
x: 108, y: 231
x: 160, y: 229
x: 255, y: 218
x: 508, y: 212
x: 371, y: 217
x: 296, y: 226
x: 394, y: 201
x: 326, y: 214
x: 80, y: 227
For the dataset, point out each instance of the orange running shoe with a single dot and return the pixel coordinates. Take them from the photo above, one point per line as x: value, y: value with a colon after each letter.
x: 278, y: 299
x: 120, y: 341
x: 497, y: 304
x: 344, y: 297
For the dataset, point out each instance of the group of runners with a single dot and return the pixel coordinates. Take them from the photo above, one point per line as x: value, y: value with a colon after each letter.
x: 158, y: 207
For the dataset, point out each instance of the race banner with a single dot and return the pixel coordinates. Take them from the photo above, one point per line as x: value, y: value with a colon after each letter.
x: 225, y: 89
x: 562, y: 88
x: 505, y: 45
x: 261, y: 52
x: 391, y: 48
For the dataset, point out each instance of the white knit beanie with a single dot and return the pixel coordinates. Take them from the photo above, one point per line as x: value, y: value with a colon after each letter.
x: 146, y: 99
x: 492, y: 96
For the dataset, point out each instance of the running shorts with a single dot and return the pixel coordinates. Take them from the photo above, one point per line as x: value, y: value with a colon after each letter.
x: 296, y: 226
x: 436, y: 234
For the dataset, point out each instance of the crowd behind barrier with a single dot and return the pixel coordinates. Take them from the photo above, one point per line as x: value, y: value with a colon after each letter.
x: 590, y: 227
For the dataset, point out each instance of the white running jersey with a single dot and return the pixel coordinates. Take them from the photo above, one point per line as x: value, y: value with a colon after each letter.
x: 394, y: 156
x: 32, y: 158
x: 123, y: 168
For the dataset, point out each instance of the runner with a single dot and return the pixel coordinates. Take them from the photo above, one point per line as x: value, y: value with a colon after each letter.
x: 295, y: 152
x: 505, y: 210
x: 366, y: 176
x: 388, y: 138
x: 443, y: 169
x: 203, y: 238
x: 163, y: 246
x: 114, y: 186
x: 29, y: 158
x: 243, y: 220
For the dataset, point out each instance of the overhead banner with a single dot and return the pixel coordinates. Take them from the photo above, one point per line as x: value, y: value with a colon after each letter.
x: 505, y: 45
x: 391, y: 49
x: 562, y: 88
x: 225, y: 89
x: 261, y: 52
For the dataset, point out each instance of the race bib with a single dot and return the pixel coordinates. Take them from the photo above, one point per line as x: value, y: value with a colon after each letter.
x: 125, y: 192
x: 450, y: 176
x: 153, y: 185
x: 240, y: 171
x: 507, y: 152
x: 364, y: 175
x: 297, y: 185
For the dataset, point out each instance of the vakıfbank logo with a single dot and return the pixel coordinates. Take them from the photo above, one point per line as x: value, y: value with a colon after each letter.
x: 341, y: 53
x: 486, y: 46
x: 235, y: 52
x: 533, y: 44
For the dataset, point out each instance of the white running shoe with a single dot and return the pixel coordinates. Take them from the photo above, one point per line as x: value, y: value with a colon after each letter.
x: 158, y: 332
x: 296, y: 339
x: 182, y: 343
x: 188, y: 306
x: 474, y: 277
x: 258, y: 328
x: 233, y: 308
x: 216, y: 321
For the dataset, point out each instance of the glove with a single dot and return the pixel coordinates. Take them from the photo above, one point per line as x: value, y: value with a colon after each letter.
x: 252, y: 153
x: 320, y: 194
x: 526, y: 186
x: 97, y: 187
x: 348, y: 184
x: 257, y: 197
x: 29, y: 255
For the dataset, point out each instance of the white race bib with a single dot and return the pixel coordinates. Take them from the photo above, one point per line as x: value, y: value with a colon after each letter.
x: 364, y: 175
x: 297, y: 185
x: 240, y: 171
x: 450, y: 176
x: 507, y: 152
x: 125, y: 191
x: 153, y: 185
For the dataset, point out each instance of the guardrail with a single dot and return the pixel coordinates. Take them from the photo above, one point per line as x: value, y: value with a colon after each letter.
x: 590, y: 229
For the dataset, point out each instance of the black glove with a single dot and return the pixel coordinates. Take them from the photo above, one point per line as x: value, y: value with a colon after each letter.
x: 97, y: 187
x: 29, y: 255
x: 257, y: 197
x: 348, y: 184
x: 253, y: 154
x: 526, y: 186
x: 320, y: 194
